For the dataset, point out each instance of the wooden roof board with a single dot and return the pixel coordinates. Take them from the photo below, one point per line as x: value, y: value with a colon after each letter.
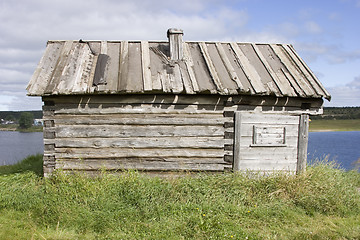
x: 274, y: 66
x: 45, y: 69
x: 315, y: 82
x: 227, y: 83
x: 264, y: 77
x: 244, y: 84
x: 202, y: 74
x: 119, y: 67
x: 134, y: 73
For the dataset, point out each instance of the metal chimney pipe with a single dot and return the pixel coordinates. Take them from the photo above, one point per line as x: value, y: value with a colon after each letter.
x: 176, y: 43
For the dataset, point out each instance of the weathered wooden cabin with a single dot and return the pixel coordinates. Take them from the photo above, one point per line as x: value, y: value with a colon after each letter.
x: 174, y: 105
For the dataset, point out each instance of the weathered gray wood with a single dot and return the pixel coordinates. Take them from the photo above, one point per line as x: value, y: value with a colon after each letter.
x: 295, y: 71
x: 237, y: 140
x: 325, y: 92
x: 145, y: 63
x: 228, y: 65
x: 60, y: 65
x: 140, y: 165
x: 303, y: 142
x: 141, y: 109
x: 249, y: 70
x: 290, y: 78
x: 271, y: 72
x: 271, y: 118
x: 260, y: 165
x: 123, y: 66
x: 185, y: 78
x: 275, y: 64
x: 190, y: 64
x: 134, y: 75
x: 176, y: 82
x: 45, y: 69
x: 143, y: 142
x: 138, y: 119
x: 83, y: 153
x: 309, y: 80
x: 112, y: 75
x: 136, y: 131
x: 83, y: 70
x: 212, y: 69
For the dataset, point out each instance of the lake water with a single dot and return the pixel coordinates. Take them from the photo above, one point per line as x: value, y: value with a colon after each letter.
x: 15, y: 146
x: 343, y: 147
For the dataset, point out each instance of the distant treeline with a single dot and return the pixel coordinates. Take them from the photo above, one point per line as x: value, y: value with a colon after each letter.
x: 339, y: 113
x: 15, y: 115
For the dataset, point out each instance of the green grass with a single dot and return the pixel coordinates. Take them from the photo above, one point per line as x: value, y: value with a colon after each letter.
x: 322, y: 203
x: 15, y: 127
x: 32, y: 163
x: 335, y: 125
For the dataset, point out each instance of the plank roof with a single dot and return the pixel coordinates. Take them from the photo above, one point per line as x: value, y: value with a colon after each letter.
x: 145, y: 67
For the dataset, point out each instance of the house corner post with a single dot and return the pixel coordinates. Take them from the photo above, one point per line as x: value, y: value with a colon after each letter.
x: 302, y: 143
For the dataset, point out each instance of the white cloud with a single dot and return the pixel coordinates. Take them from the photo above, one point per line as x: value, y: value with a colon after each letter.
x: 312, y: 27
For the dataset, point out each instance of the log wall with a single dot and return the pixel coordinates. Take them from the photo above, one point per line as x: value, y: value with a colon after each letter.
x: 168, y: 132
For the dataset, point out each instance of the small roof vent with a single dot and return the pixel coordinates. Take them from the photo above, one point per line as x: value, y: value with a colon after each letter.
x: 175, y: 36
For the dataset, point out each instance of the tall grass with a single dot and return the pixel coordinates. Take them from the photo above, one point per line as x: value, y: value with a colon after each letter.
x: 322, y: 203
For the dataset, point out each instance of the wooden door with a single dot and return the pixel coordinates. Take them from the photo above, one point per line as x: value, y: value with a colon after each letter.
x: 268, y: 141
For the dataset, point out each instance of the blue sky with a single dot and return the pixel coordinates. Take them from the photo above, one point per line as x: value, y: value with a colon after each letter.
x: 326, y: 34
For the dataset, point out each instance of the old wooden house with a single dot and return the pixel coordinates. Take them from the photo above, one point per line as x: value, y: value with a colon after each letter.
x: 174, y: 105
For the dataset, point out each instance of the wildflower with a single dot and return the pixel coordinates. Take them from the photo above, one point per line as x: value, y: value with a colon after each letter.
x: 204, y: 214
x: 231, y: 236
x: 249, y: 211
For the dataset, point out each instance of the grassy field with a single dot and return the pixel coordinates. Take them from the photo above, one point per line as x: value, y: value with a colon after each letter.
x: 15, y: 127
x: 322, y: 203
x: 335, y: 125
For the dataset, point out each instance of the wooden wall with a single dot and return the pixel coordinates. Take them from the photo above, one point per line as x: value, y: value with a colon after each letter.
x: 160, y: 136
x: 172, y: 132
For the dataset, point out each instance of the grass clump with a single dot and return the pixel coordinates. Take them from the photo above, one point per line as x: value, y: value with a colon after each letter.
x: 33, y: 163
x: 322, y: 203
x: 334, y: 125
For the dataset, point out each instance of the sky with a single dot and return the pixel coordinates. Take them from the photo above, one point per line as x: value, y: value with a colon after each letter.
x: 325, y: 33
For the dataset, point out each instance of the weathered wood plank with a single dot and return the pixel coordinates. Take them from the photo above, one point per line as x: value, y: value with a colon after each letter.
x: 176, y: 82
x: 137, y: 131
x: 249, y: 70
x: 140, y: 165
x: 189, y: 65
x: 303, y: 142
x: 293, y: 82
x: 142, y: 142
x: 60, y: 65
x: 326, y: 93
x: 247, y: 129
x: 143, y: 119
x: 140, y: 109
x: 145, y: 66
x: 123, y: 66
x: 295, y: 71
x: 308, y: 79
x: 186, y: 78
x: 134, y: 74
x: 72, y: 72
x: 271, y: 72
x: 212, y: 69
x: 84, y: 153
x: 237, y: 141
x: 271, y: 118
x: 260, y: 165
x: 112, y: 76
x: 228, y: 65
x: 83, y: 70
x: 44, y: 70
